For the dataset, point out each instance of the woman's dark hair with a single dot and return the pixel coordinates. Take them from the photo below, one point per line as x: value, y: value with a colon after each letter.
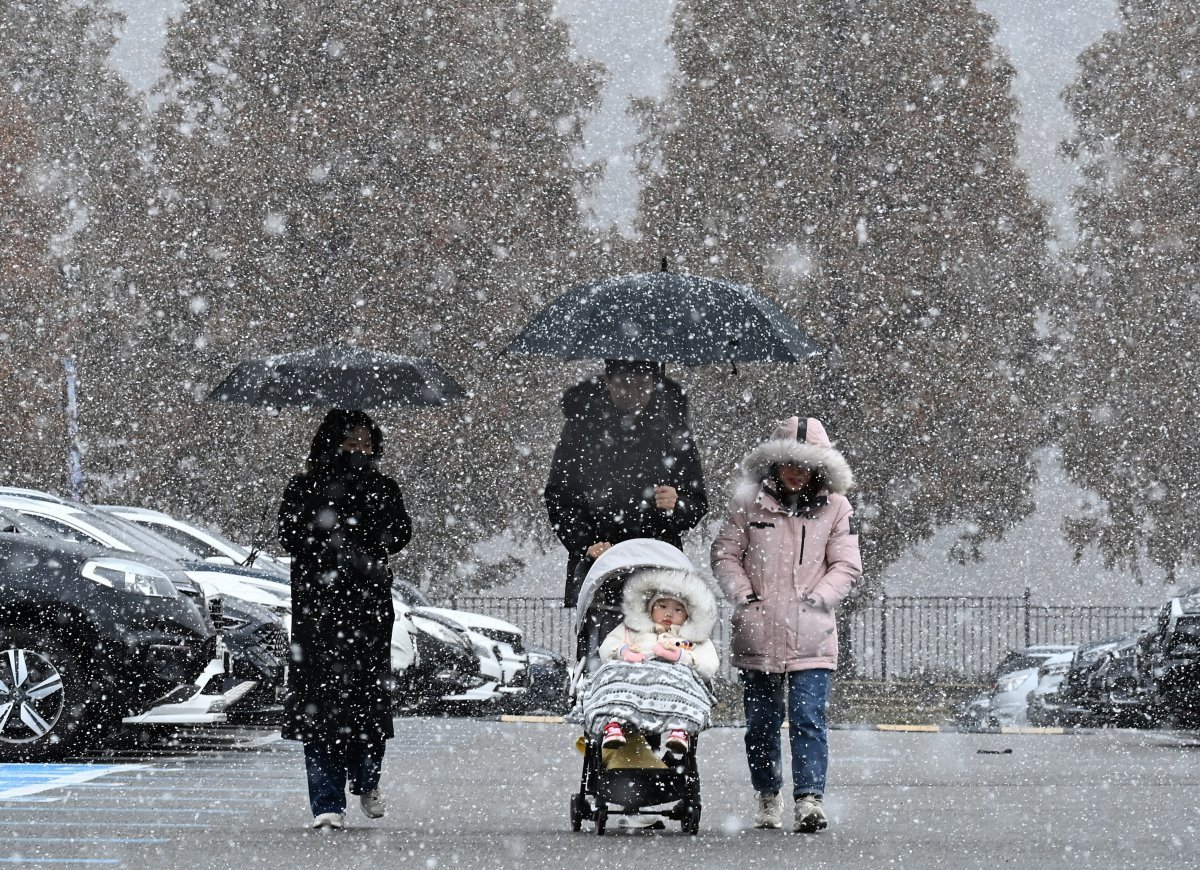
x: 327, y: 442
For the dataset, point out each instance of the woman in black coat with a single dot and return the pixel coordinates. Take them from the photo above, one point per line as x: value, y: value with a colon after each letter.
x: 339, y: 520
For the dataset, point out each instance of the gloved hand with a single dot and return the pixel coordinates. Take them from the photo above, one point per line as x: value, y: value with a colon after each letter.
x: 629, y: 654
x: 662, y: 652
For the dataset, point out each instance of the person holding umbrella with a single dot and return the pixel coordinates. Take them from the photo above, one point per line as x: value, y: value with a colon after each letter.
x: 340, y: 520
x: 625, y: 466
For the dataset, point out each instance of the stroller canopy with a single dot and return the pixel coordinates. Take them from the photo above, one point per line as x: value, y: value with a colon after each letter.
x: 621, y: 559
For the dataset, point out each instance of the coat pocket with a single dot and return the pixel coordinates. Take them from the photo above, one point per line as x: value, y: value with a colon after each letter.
x: 749, y: 630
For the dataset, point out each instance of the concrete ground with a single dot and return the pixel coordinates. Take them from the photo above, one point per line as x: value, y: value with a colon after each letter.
x: 484, y: 794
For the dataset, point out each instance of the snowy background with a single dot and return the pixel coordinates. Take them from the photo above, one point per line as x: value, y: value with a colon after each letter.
x: 630, y: 40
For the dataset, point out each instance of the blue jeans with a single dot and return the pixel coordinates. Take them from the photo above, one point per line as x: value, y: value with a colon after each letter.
x: 804, y: 697
x: 330, y: 767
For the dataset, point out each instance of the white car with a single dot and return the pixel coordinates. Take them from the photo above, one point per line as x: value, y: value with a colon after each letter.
x: 78, y: 522
x: 500, y: 645
x: 206, y: 544
x: 1016, y: 677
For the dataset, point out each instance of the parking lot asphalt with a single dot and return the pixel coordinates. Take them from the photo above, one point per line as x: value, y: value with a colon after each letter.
x: 484, y: 794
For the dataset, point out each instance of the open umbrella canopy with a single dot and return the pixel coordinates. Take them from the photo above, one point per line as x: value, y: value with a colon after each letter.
x: 338, y: 376
x: 665, y: 317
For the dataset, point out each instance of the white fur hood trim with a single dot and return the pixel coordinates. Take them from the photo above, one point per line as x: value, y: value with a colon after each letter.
x: 814, y: 452
x: 685, y: 586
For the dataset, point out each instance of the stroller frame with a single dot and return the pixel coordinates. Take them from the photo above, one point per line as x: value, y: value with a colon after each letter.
x: 605, y: 791
x: 634, y: 791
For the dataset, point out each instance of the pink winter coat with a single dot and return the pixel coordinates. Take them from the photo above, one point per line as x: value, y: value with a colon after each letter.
x: 799, y: 564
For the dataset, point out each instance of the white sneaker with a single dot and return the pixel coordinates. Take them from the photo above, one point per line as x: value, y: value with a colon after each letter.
x: 810, y: 815
x: 337, y: 821
x: 768, y: 812
x: 372, y: 804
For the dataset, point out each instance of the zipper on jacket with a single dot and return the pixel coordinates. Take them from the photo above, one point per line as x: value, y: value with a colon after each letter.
x: 803, y: 535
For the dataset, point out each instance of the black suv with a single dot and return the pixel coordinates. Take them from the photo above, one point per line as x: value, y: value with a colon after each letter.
x: 87, y: 638
x: 1170, y: 660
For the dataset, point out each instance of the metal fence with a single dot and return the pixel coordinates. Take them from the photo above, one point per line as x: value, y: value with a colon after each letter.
x: 938, y: 639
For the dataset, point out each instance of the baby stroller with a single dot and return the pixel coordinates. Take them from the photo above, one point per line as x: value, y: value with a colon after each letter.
x: 627, y: 791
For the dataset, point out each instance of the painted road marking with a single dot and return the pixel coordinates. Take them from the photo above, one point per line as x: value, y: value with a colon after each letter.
x: 71, y: 840
x: 19, y: 860
x: 20, y: 780
x: 106, y: 823
x: 77, y: 808
x: 553, y: 720
x: 59, y: 861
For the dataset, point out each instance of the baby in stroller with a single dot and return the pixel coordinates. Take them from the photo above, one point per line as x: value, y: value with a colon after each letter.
x: 668, y: 615
x: 648, y: 677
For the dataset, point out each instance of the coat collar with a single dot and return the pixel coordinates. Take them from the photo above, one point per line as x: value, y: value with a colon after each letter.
x: 767, y: 500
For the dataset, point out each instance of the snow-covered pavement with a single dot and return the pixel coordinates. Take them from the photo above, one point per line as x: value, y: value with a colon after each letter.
x: 483, y: 794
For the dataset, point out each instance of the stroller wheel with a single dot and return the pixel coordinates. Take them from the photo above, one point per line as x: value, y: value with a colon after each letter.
x: 690, y: 823
x: 576, y: 813
x: 601, y: 818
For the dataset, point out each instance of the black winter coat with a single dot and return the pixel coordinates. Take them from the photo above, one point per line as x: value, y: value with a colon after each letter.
x: 605, y: 468
x: 340, y: 522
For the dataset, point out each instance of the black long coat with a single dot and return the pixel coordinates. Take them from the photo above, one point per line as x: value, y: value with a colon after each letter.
x: 605, y: 468
x: 340, y: 522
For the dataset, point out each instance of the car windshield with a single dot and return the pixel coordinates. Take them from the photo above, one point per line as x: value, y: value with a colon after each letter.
x: 1020, y: 661
x: 140, y: 539
x: 182, y: 538
x: 411, y: 595
x: 1186, y: 638
x: 14, y: 521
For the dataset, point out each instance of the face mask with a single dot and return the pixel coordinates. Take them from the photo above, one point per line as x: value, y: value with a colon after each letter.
x: 357, y: 460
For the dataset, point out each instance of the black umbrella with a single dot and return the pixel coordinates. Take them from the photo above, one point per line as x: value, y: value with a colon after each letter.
x: 665, y: 317
x: 338, y: 376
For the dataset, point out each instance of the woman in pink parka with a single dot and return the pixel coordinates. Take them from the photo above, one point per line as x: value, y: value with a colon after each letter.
x: 786, y: 556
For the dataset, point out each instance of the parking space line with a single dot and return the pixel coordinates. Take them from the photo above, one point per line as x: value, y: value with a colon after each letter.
x: 19, y: 780
x: 73, y: 840
x: 76, y: 808
x: 56, y: 823
x: 172, y: 794
x: 93, y: 788
x: 18, y: 860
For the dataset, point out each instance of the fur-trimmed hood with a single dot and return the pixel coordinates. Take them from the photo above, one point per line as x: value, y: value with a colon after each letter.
x: 646, y: 584
x: 799, y: 442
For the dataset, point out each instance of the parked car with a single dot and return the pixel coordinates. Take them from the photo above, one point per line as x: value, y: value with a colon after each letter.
x: 205, y: 543
x: 500, y: 645
x: 87, y: 639
x: 255, y: 611
x: 444, y: 669
x: 1104, y: 686
x: 438, y: 679
x: 1004, y: 701
x: 1043, y: 701
x: 549, y: 681
x: 1169, y: 660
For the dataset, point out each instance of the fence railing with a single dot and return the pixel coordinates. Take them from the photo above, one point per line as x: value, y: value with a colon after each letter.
x: 939, y: 639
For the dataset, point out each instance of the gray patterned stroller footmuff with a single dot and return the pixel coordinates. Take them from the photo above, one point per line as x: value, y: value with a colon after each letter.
x: 653, y: 696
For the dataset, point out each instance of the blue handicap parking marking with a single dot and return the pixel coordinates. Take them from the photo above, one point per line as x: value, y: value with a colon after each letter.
x: 24, y: 780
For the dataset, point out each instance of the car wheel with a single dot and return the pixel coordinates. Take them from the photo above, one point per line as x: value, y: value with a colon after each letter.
x: 47, y: 705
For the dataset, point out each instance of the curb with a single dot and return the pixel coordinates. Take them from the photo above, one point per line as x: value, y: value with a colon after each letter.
x: 552, y: 720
